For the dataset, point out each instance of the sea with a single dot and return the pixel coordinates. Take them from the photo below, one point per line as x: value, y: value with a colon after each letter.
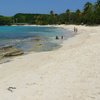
x: 33, y: 38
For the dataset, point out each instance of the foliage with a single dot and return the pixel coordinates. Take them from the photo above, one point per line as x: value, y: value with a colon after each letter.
x: 90, y: 15
x: 5, y: 20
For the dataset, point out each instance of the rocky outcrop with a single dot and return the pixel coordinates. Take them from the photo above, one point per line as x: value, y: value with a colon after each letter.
x: 9, y: 51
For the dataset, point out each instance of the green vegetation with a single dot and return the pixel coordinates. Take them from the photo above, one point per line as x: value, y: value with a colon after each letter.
x: 5, y: 20
x: 90, y: 15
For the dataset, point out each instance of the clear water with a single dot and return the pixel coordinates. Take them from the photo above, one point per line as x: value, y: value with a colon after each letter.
x: 32, y: 38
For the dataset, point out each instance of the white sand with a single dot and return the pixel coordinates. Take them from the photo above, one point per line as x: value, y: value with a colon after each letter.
x: 69, y: 73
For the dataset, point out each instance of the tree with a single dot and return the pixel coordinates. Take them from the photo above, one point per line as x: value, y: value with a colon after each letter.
x: 53, y: 17
x: 5, y: 20
x: 78, y: 12
x: 78, y: 16
x: 51, y: 12
x: 88, y: 13
x: 97, y: 12
x: 87, y: 7
x: 68, y: 13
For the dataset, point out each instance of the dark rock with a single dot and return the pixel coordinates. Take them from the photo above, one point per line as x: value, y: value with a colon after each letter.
x: 9, y: 51
x: 37, y: 39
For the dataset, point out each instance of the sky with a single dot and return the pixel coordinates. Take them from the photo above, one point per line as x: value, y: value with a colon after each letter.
x: 11, y: 7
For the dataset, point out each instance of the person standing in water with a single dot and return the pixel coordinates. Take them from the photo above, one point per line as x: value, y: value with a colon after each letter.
x: 62, y: 37
x: 57, y: 37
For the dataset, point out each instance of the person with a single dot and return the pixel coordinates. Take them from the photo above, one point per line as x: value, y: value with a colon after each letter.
x: 57, y: 37
x: 74, y: 29
x: 62, y: 37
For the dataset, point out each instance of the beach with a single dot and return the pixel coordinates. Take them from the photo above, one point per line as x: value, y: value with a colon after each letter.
x: 71, y: 72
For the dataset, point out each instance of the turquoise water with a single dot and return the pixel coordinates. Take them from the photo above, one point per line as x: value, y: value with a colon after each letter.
x: 32, y: 38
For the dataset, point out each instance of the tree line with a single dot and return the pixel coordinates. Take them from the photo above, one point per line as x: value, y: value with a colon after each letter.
x: 90, y: 15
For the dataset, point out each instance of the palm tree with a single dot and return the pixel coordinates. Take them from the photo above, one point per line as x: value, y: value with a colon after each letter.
x: 97, y: 12
x: 78, y: 16
x: 87, y: 7
x: 78, y: 12
x: 52, y: 17
x: 88, y: 13
x: 68, y: 13
x: 97, y: 4
x: 51, y: 12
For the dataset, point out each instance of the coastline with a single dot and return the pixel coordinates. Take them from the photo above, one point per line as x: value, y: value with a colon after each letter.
x: 71, y: 72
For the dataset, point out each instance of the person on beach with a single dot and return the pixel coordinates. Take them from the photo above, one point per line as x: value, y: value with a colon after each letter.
x: 75, y: 29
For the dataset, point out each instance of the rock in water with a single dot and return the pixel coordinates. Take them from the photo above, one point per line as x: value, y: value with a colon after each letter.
x: 9, y: 51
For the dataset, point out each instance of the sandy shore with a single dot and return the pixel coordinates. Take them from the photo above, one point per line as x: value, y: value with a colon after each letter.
x: 69, y: 73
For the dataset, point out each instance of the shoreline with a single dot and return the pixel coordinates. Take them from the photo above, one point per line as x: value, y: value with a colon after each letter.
x: 72, y: 71
x: 3, y: 60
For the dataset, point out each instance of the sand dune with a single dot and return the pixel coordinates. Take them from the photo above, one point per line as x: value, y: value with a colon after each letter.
x: 69, y: 73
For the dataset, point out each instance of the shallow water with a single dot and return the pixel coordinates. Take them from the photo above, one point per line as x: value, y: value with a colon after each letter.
x: 33, y: 38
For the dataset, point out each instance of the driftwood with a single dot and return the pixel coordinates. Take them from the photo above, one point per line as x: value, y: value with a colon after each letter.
x: 11, y: 89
